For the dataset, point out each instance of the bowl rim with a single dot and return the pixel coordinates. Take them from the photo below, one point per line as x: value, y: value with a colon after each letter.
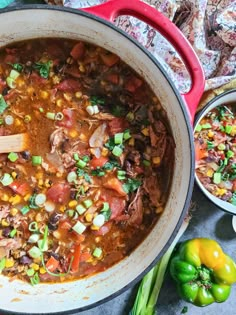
x: 223, y: 205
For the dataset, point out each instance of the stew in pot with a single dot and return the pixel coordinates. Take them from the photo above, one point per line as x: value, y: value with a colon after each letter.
x: 96, y: 175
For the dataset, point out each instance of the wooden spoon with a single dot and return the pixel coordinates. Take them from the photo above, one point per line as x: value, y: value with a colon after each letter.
x: 14, y: 143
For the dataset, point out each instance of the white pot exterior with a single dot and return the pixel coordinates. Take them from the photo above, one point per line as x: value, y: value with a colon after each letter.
x: 43, y: 21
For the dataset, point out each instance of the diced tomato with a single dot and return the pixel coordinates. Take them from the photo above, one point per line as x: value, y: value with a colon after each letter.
x: 20, y: 188
x: 3, y: 84
x: 65, y: 225
x: 98, y: 162
x: 103, y: 229
x: 116, y: 204
x: 78, y: 51
x: 117, y: 125
x: 68, y: 120
x: 76, y: 258
x: 78, y: 238
x: 109, y: 59
x: 37, y: 79
x: 132, y: 84
x: 200, y: 153
x: 52, y: 264
x: 85, y: 256
x: 113, y: 78
x: 59, y: 193
x: 69, y: 85
x: 114, y: 184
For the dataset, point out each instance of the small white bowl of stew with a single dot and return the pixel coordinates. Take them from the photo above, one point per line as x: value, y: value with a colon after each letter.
x: 215, y: 150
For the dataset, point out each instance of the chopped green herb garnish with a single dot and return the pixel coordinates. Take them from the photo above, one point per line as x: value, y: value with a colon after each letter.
x: 12, y: 156
x: 35, y: 279
x: 217, y: 178
x: 3, y: 104
x: 32, y: 203
x: 229, y: 154
x: 86, y: 158
x: 13, y: 233
x: 228, y: 129
x: 43, y: 68
x: 17, y: 66
x: 131, y: 185
x: 118, y: 111
x: 24, y: 210
x: 117, y: 151
x: 95, y: 100
x: 233, y: 199
x: 81, y: 164
x: 106, y: 214
x: 110, y: 144
x: 6, y: 179
x: 81, y: 173
x: 210, y: 145
x: 2, y: 264
x: 184, y: 310
x: 98, y: 172
x: 198, y: 128
x: 206, y: 126
x: 221, y: 167
x: 36, y: 160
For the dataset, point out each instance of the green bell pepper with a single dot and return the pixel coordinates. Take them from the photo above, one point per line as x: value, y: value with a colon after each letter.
x: 203, y: 272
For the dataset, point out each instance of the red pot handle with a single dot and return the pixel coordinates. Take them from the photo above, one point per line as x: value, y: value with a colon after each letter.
x: 113, y: 8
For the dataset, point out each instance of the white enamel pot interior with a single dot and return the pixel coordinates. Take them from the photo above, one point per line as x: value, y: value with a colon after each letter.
x: 44, y: 21
x: 228, y: 97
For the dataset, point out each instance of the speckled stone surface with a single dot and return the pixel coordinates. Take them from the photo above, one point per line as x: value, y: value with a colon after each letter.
x: 207, y: 221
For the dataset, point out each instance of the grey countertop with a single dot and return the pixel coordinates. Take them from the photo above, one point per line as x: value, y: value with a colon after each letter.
x: 207, y: 221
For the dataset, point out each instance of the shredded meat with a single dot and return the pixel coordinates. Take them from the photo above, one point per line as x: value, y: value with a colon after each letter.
x: 57, y: 138
x: 135, y: 209
x: 4, y: 211
x: 152, y: 188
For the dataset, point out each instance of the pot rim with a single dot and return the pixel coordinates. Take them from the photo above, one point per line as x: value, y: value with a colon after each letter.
x: 223, y: 205
x: 190, y: 137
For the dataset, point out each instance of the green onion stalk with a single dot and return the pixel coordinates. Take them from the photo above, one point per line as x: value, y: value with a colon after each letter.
x: 151, y: 283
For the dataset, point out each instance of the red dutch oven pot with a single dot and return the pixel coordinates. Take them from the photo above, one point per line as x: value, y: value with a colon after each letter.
x: 95, y: 26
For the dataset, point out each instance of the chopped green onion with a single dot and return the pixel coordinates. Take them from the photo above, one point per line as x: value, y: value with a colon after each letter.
x: 97, y: 252
x: 43, y: 245
x: 81, y: 164
x: 127, y: 134
x: 76, y: 156
x: 71, y: 177
x: 225, y: 161
x: 13, y: 233
x: 79, y: 227
x: 6, y: 179
x: 131, y: 185
x: 30, y: 272
x: 9, y: 120
x: 228, y: 129
x: 32, y: 203
x: 36, y: 160
x: 210, y: 145
x: 59, y: 116
x: 117, y: 151
x: 86, y: 158
x: 229, y: 154
x: 33, y: 226
x: 14, y: 74
x: 198, y: 128
x: 24, y: 210
x: 33, y: 238
x: 105, y: 207
x: 217, y: 178
x: 221, y: 147
x: 43, y: 68
x: 35, y: 279
x: 99, y: 220
x: 118, y: 138
x: 106, y: 214
x: 146, y: 163
x: 206, y: 126
x: 121, y: 174
x: 3, y: 104
x: 40, y: 199
x: 35, y: 252
x: 50, y: 115
x: 80, y: 209
x: 87, y: 203
x: 41, y: 109
x: 11, y: 82
x: 2, y: 264
x: 98, y: 172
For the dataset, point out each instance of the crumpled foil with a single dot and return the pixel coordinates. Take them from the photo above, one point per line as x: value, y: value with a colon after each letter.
x: 209, y: 25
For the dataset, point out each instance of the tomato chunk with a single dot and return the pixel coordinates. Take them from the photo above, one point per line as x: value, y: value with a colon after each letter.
x: 98, y: 162
x: 59, y: 193
x: 114, y: 184
x: 117, y: 125
x: 68, y: 120
x: 20, y: 188
x: 69, y: 85
x: 78, y: 51
x: 52, y: 264
x: 76, y: 258
x: 109, y: 59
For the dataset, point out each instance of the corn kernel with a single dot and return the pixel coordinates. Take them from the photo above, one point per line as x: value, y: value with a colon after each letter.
x: 4, y: 222
x: 89, y: 217
x: 30, y: 90
x: 17, y: 122
x: 47, y: 183
x: 34, y: 266
x: 39, y: 175
x: 82, y: 136
x: 27, y: 197
x: 156, y: 160
x: 105, y: 151
x: 72, y: 203
x: 9, y: 262
x: 73, y: 133
x: 210, y: 134
x: 67, y: 97
x: 14, y: 174
x: 210, y: 173
x: 78, y: 94
x: 94, y: 227
x: 159, y: 209
x: 4, y: 197
x: 20, y: 82
x: 55, y: 79
x: 222, y: 191
x: 38, y: 217
x: 62, y: 208
x: 145, y: 131
x: 81, y: 68
x: 13, y: 211
x: 131, y: 141
x: 40, y: 182
x: 98, y: 239
x: 42, y: 270
x: 14, y: 200
x: 58, y: 174
x: 59, y: 102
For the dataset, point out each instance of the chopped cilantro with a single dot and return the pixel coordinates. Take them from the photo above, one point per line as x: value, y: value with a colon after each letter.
x: 118, y: 111
x: 82, y: 173
x: 210, y: 145
x: 106, y: 214
x: 95, y: 100
x: 131, y: 185
x: 3, y: 104
x: 43, y: 68
x: 17, y: 66
x: 32, y: 203
x: 110, y: 144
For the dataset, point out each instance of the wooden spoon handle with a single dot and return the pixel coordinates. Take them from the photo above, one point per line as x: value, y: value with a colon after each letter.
x: 14, y: 143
